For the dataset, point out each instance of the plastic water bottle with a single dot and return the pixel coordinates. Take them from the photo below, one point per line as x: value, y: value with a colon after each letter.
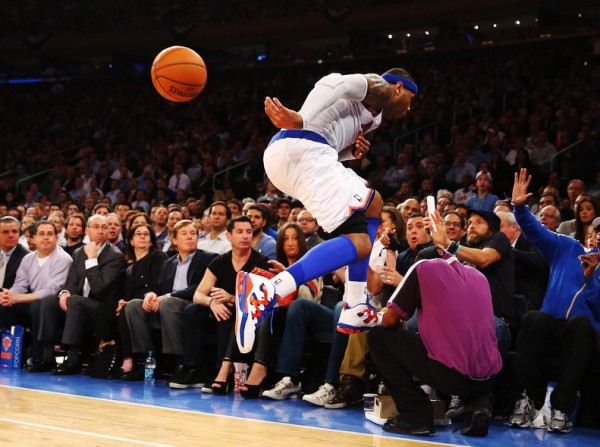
x: 149, y: 367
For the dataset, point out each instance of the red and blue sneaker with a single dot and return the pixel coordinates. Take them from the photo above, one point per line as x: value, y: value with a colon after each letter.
x: 359, y: 318
x: 255, y: 300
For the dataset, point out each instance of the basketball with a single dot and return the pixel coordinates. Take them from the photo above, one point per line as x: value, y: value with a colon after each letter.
x: 178, y: 74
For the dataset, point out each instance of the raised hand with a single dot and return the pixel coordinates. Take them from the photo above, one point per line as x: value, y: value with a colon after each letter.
x: 281, y: 116
x: 435, y: 224
x: 522, y: 182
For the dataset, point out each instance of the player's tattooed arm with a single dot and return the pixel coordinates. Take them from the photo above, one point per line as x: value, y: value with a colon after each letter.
x: 379, y: 92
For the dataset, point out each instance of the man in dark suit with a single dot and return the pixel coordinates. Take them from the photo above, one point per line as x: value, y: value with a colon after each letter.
x: 11, y: 252
x: 90, y: 295
x: 531, y: 269
x: 163, y: 308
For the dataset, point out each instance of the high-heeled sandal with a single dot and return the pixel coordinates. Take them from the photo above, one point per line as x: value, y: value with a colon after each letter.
x: 252, y: 391
x: 222, y: 388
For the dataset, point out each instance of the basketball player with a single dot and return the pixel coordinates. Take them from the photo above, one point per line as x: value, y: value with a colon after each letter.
x: 304, y: 161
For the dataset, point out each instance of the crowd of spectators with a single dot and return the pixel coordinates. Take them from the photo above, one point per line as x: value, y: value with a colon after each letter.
x: 541, y: 99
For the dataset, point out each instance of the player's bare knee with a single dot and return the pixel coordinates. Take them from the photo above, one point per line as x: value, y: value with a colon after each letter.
x: 374, y: 208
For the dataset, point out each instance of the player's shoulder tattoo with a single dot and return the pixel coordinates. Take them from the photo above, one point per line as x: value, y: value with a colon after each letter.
x: 379, y: 91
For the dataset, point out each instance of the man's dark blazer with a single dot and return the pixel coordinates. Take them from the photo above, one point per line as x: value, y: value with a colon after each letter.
x: 195, y: 273
x: 14, y: 262
x: 105, y: 279
x: 531, y: 272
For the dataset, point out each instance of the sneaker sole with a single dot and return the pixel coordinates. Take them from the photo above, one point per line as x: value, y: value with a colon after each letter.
x: 517, y: 425
x: 241, y: 316
x: 347, y: 329
x: 341, y: 405
x: 207, y: 390
x: 558, y: 430
x: 317, y: 402
x: 179, y: 386
x: 286, y: 397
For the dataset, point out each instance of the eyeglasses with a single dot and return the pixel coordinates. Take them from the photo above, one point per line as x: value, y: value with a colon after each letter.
x: 306, y: 219
x: 141, y: 234
x: 551, y: 216
x: 453, y: 224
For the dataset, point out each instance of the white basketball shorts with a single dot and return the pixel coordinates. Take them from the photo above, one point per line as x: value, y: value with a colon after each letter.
x: 310, y: 172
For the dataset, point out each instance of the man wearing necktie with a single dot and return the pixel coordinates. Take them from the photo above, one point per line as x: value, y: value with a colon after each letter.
x: 89, y: 298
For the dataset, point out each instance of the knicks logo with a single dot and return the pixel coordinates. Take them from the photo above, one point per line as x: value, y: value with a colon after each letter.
x: 259, y: 303
x: 6, y: 343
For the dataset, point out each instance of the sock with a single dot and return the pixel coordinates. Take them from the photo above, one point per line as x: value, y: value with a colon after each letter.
x: 320, y: 260
x: 357, y: 272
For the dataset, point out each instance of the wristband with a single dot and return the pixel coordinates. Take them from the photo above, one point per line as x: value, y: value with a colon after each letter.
x: 453, y: 247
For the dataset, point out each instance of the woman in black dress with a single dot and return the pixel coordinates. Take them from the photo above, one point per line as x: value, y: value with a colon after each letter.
x: 145, y: 263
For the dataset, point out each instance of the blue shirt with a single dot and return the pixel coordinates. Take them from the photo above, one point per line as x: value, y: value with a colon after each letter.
x: 487, y: 203
x: 266, y: 246
x: 181, y: 273
x: 568, y: 293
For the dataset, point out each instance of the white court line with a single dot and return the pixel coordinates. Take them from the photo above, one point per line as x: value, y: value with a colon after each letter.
x: 80, y: 432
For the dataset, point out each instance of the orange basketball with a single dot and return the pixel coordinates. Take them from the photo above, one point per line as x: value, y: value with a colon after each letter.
x: 178, y: 74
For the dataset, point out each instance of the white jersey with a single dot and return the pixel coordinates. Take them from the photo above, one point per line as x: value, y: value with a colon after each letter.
x: 309, y: 168
x: 341, y: 122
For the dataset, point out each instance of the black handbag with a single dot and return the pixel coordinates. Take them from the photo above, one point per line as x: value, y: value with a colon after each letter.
x: 106, y: 360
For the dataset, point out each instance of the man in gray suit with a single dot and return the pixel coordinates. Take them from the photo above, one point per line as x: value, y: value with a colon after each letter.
x: 90, y: 296
x: 41, y: 274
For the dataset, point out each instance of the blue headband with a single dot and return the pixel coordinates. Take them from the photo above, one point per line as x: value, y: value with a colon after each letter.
x: 408, y: 84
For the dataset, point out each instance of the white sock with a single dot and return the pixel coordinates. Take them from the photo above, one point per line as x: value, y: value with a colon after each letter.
x: 284, y: 284
x: 357, y: 293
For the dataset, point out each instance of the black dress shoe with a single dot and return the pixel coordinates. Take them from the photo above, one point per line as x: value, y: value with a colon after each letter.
x: 397, y: 425
x: 40, y: 367
x: 477, y: 423
x: 136, y: 374
x: 115, y: 373
x: 66, y: 370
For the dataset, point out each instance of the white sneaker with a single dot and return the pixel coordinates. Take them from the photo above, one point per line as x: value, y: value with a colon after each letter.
x: 523, y: 413
x: 283, y: 389
x: 254, y: 301
x: 456, y: 408
x: 359, y: 318
x: 320, y: 397
x: 542, y: 417
x: 559, y: 423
